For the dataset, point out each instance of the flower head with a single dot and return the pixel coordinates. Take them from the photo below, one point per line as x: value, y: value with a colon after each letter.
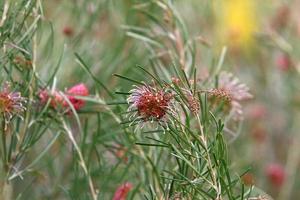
x: 150, y: 103
x: 257, y: 111
x: 58, y: 101
x: 248, y: 179
x: 233, y: 92
x: 122, y: 191
x: 281, y: 18
x: 259, y: 134
x: 11, y: 103
x: 68, y: 31
x: 193, y: 103
x: 77, y: 90
x: 275, y: 174
x: 121, y: 152
x: 284, y: 62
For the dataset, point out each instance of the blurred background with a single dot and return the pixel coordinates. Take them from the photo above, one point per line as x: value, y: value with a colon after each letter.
x: 262, y: 39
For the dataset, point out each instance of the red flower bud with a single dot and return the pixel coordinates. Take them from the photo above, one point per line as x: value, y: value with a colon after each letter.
x: 284, y: 62
x: 77, y: 90
x: 68, y: 31
x: 122, y: 191
x: 248, y: 179
x: 56, y: 100
x: 275, y: 174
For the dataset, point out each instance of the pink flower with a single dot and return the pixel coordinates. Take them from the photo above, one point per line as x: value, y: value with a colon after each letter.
x: 193, y: 103
x: 257, y: 111
x: 68, y: 31
x: 122, y: 191
x: 11, y: 103
x: 120, y: 152
x: 233, y: 92
x: 175, y: 80
x: 151, y: 103
x: 284, y: 62
x: 77, y: 90
x: 57, y: 101
x: 259, y: 134
x: 275, y: 174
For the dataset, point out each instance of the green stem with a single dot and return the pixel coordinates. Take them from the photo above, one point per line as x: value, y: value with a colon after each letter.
x: 209, y: 162
x: 4, y: 155
x: 6, y: 191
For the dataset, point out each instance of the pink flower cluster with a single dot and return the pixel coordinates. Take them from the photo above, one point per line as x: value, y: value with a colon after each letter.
x: 122, y: 191
x: 58, y: 101
x: 234, y: 92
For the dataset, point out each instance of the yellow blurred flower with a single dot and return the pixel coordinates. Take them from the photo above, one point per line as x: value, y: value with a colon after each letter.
x: 236, y: 22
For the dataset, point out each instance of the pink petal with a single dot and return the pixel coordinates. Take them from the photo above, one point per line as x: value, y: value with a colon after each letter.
x: 79, y: 90
x: 122, y: 191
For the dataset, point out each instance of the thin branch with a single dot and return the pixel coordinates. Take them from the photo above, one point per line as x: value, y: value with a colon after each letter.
x: 82, y: 162
x: 4, y: 14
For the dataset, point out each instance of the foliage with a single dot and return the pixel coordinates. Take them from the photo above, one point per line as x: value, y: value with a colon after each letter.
x: 109, y: 99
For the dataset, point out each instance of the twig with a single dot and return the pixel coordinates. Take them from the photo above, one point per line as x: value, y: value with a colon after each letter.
x: 213, y: 173
x: 4, y: 14
x: 82, y: 162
